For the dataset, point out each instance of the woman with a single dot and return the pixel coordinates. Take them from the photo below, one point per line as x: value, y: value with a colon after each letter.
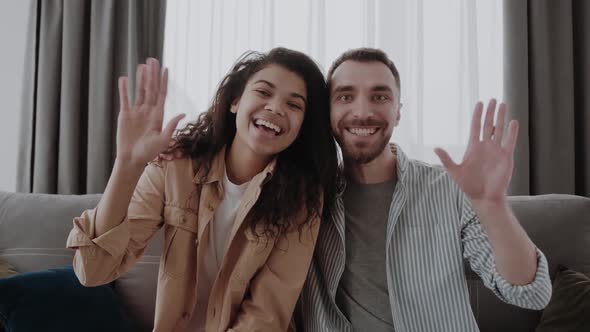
x: 240, y: 212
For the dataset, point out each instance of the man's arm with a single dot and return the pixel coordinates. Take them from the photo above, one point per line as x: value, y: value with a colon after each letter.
x: 477, y: 249
x: 484, y: 175
x: 497, y: 247
x: 514, y: 252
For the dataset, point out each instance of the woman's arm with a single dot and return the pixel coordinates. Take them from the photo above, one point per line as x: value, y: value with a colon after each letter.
x: 102, y: 258
x: 102, y: 235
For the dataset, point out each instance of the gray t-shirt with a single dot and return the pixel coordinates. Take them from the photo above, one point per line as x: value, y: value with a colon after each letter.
x: 362, y: 294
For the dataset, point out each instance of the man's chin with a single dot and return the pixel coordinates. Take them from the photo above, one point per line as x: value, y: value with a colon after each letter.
x: 361, y: 156
x: 361, y: 152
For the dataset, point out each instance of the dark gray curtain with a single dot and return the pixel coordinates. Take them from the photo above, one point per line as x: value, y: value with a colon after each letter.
x: 76, y: 50
x: 547, y: 86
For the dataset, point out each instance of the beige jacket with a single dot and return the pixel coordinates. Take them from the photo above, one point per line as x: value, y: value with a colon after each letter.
x: 258, y: 283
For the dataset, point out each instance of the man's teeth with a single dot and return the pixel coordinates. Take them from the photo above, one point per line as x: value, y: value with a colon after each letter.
x: 362, y: 131
x: 269, y: 125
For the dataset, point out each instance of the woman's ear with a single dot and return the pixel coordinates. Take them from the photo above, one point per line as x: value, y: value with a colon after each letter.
x: 234, y: 106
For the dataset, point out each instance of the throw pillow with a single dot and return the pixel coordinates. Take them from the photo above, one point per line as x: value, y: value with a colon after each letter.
x: 569, y: 307
x: 6, y: 270
x: 54, y: 300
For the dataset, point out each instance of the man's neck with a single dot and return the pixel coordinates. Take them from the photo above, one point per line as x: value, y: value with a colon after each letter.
x: 380, y: 169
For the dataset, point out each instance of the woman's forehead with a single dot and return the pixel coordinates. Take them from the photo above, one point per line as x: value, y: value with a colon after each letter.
x: 279, y: 77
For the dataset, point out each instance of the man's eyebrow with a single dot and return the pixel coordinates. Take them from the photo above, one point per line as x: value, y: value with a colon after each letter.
x: 347, y: 88
x: 343, y: 88
x: 385, y: 88
x: 293, y: 94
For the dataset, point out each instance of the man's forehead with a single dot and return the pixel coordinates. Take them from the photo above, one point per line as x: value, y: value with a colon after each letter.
x: 362, y: 75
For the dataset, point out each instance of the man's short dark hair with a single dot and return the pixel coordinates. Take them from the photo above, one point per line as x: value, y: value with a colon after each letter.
x: 365, y: 54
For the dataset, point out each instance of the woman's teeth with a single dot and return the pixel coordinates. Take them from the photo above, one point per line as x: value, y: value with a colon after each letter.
x: 268, y: 125
x: 362, y: 131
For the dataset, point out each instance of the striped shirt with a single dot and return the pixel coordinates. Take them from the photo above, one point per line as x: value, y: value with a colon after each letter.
x: 432, y: 228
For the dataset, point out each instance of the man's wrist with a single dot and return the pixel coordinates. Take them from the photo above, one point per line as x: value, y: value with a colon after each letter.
x: 490, y: 205
x: 492, y: 211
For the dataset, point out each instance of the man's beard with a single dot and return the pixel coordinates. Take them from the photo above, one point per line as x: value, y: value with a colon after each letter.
x: 365, y: 153
x: 362, y: 155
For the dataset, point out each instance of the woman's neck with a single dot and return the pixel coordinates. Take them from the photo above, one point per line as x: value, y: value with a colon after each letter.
x: 242, y: 164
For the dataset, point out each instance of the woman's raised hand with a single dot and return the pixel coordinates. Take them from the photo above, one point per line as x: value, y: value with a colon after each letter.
x: 140, y: 137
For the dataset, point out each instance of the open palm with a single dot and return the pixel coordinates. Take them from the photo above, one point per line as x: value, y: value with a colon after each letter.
x: 139, y: 130
x: 486, y: 169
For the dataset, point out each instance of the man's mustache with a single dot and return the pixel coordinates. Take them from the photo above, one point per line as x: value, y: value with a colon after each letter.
x: 364, y: 123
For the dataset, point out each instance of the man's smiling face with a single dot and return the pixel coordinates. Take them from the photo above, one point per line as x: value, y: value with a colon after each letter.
x: 364, y: 108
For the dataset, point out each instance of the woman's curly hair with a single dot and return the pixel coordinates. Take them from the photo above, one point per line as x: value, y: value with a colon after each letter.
x: 305, y: 177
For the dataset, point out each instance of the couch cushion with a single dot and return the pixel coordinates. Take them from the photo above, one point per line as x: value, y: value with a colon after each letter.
x: 560, y: 226
x: 137, y: 289
x: 34, y: 228
x: 54, y: 300
x: 569, y: 308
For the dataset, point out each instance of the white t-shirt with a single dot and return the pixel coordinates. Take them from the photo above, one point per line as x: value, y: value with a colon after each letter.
x: 219, y: 231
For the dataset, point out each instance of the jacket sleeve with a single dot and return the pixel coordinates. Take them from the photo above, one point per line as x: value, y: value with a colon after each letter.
x: 100, y: 260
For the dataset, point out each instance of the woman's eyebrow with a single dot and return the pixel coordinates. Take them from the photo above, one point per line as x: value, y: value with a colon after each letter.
x: 293, y: 94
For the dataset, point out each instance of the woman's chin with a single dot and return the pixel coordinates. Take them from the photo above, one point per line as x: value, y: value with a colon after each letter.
x: 266, y: 150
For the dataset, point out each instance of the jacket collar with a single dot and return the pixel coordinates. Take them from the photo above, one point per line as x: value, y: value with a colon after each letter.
x: 217, y: 170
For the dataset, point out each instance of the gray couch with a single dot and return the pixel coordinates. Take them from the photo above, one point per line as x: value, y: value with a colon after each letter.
x: 34, y: 228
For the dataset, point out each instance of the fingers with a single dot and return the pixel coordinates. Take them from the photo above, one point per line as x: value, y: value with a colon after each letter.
x: 163, y: 88
x: 446, y: 160
x: 123, y: 94
x: 476, y: 123
x: 510, y: 140
x: 156, y: 76
x: 158, y: 112
x: 153, y: 81
x: 488, y: 125
x: 171, y: 126
x: 149, y: 83
x: 500, y: 124
x: 166, y: 156
x: 140, y: 84
x: 176, y: 154
x: 152, y: 87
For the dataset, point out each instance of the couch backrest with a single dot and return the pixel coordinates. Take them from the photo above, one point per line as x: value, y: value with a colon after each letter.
x: 34, y: 229
x: 560, y: 226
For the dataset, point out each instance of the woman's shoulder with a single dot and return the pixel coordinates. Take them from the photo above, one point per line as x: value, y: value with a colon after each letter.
x: 175, y: 178
x: 176, y: 168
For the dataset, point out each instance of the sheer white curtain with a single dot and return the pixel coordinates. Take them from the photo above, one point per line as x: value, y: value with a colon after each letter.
x: 448, y: 52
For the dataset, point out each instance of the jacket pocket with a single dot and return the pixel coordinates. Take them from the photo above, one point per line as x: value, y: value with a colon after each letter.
x: 180, y: 250
x: 252, y: 252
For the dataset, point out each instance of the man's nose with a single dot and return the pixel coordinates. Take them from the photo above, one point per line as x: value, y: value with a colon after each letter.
x: 362, y: 109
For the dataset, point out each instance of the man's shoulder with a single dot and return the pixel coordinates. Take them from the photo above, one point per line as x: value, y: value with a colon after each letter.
x: 424, y: 167
x: 424, y: 177
x: 419, y: 170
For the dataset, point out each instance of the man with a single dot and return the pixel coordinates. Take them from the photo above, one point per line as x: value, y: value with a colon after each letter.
x: 392, y: 257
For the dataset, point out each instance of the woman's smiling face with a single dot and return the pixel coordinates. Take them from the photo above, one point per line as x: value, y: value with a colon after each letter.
x: 270, y: 111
